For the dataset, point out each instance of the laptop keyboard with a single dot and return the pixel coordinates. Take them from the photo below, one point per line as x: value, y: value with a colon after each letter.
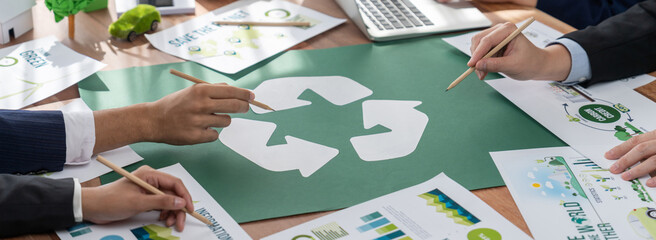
x: 393, y: 14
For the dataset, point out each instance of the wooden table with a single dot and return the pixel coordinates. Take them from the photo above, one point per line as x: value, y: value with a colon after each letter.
x: 93, y: 40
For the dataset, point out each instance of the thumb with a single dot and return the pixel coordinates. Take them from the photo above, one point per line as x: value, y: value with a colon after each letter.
x: 163, y: 202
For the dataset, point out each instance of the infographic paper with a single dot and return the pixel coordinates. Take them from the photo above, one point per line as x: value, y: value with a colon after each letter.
x: 563, y: 195
x: 592, y: 120
x: 437, y: 209
x: 146, y: 226
x: 38, y: 69
x: 230, y: 49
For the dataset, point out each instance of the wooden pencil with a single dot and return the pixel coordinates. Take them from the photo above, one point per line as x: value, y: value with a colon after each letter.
x: 145, y: 185
x: 493, y: 51
x: 289, y: 24
x: 196, y: 80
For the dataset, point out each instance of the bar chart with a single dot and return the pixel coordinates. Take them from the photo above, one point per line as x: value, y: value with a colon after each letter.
x: 381, y: 225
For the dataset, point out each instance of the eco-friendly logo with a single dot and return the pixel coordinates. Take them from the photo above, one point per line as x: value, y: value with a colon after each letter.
x: 8, y: 61
x: 277, y: 13
x: 483, y: 234
x: 599, y: 113
x: 604, y: 116
x: 249, y: 138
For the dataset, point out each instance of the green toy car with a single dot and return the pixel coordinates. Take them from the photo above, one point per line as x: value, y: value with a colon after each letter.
x: 141, y: 19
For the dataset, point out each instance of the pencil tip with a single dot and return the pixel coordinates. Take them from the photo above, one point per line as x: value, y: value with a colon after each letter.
x: 446, y: 90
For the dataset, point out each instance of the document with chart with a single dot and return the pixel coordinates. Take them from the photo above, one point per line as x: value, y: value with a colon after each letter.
x: 437, y: 209
x: 146, y: 225
x: 232, y: 48
x: 38, y: 69
x: 591, y: 120
x: 563, y: 195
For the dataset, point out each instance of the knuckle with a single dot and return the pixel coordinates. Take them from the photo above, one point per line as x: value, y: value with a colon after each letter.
x: 197, y: 90
x: 508, y: 25
x: 635, y: 140
x: 196, y: 121
x: 641, y: 148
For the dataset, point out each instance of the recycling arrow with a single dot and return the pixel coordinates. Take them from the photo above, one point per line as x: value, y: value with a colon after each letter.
x: 407, y: 125
x: 249, y: 138
x: 283, y: 93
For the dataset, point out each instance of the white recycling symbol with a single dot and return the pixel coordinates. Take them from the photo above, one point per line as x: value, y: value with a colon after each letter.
x: 249, y: 137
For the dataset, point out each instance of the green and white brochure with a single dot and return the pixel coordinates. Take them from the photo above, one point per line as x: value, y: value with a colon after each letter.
x: 591, y: 120
x: 563, y: 195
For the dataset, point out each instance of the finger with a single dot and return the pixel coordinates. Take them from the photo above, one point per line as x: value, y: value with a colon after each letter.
x: 228, y: 106
x: 217, y: 91
x: 651, y: 182
x: 215, y: 120
x: 490, y: 41
x: 499, y: 64
x: 206, y: 135
x: 643, y: 168
x: 619, y: 150
x: 638, y: 153
x: 164, y: 202
x: 477, y: 38
x: 171, y: 184
x: 170, y: 220
x: 163, y: 215
x: 180, y: 219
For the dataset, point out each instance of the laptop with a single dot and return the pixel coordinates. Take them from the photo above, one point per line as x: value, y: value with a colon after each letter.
x: 383, y: 20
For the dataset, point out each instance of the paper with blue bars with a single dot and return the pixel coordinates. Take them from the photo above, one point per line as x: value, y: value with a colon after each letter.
x: 439, y: 208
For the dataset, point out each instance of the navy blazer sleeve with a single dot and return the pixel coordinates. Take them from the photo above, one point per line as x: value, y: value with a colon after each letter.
x: 583, y: 13
x: 32, y: 141
x: 621, y: 46
x: 30, y: 204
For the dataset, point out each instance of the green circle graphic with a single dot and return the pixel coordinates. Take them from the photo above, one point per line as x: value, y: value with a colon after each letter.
x: 599, y: 113
x: 483, y: 233
x: 303, y: 237
x: 8, y: 61
x: 277, y: 13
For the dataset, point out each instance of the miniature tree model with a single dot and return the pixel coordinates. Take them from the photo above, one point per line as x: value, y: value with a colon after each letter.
x: 67, y: 8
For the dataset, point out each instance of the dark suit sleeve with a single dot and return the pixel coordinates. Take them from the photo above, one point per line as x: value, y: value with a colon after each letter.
x: 30, y: 204
x: 32, y: 141
x: 621, y: 46
x: 583, y: 13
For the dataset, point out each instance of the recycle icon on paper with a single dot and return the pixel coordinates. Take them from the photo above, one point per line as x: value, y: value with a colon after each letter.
x: 249, y: 137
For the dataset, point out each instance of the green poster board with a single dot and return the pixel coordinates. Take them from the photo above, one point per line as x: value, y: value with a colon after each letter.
x: 464, y: 125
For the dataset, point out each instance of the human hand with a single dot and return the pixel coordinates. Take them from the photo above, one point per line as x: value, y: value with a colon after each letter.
x: 188, y: 116
x: 123, y: 199
x: 519, y: 59
x: 183, y: 117
x: 640, y: 149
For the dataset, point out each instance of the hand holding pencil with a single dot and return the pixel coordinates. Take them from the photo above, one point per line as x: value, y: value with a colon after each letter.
x: 132, y: 195
x: 502, y: 48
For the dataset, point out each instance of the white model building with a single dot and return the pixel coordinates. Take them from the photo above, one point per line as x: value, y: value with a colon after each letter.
x: 15, y: 18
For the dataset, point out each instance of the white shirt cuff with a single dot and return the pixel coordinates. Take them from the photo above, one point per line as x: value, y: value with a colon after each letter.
x: 77, y: 201
x: 80, y: 132
x: 580, y: 70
